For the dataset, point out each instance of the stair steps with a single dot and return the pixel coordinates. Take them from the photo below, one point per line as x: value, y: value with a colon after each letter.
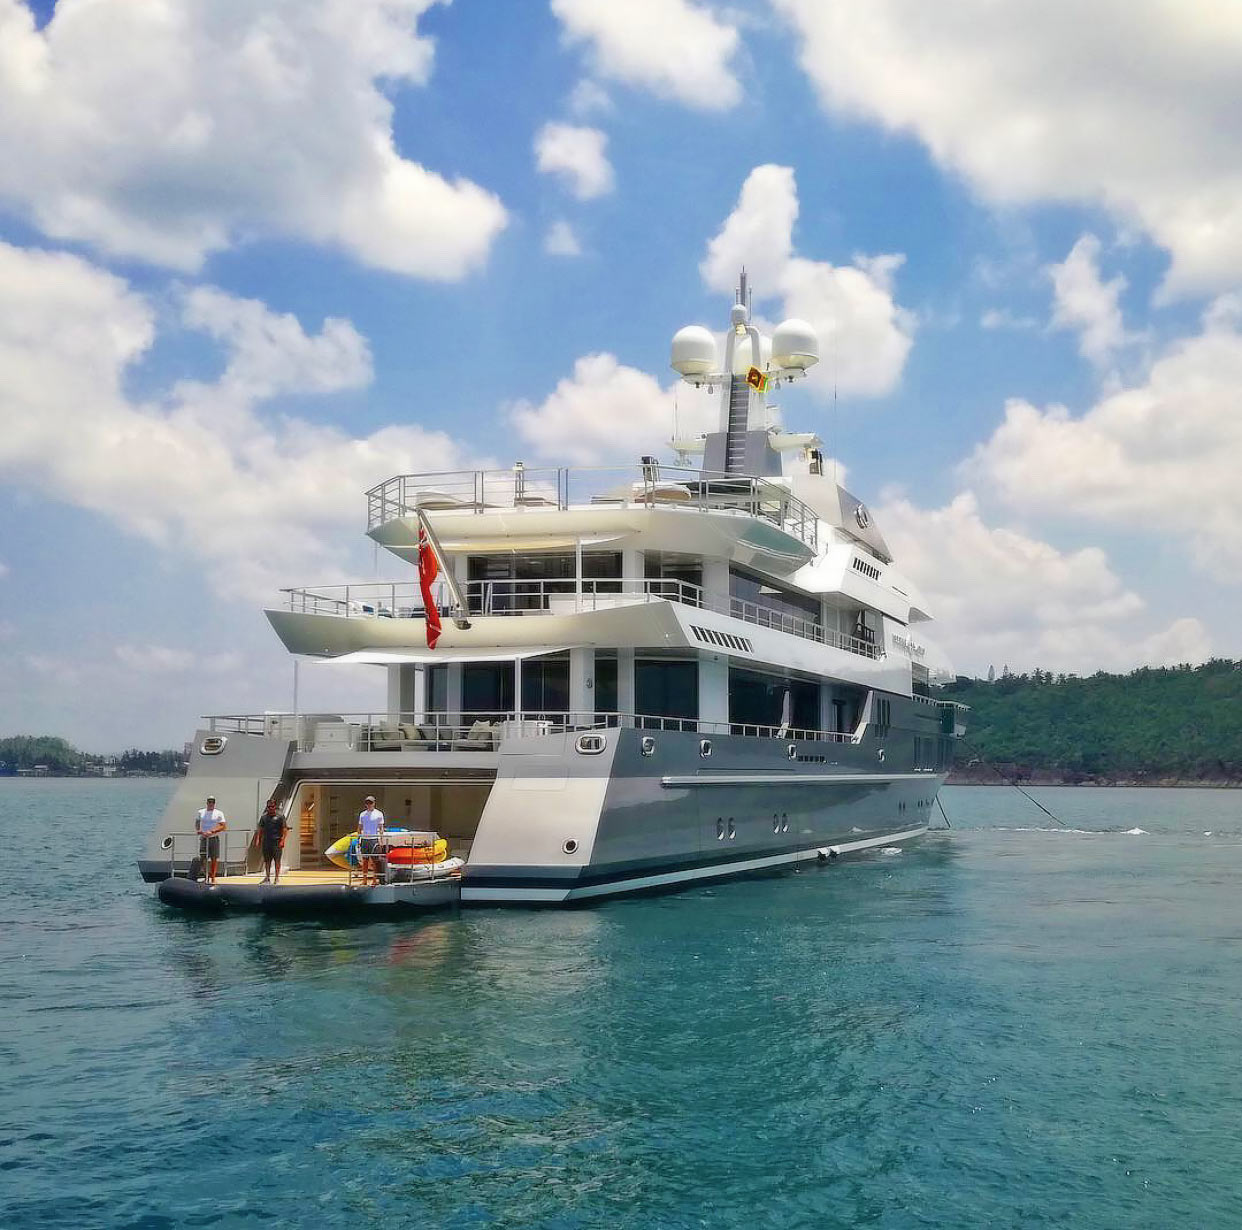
x: 735, y: 438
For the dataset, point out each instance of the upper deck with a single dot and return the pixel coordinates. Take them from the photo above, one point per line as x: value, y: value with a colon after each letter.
x: 694, y: 510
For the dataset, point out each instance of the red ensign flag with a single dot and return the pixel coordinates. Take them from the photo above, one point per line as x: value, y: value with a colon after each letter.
x: 428, y: 570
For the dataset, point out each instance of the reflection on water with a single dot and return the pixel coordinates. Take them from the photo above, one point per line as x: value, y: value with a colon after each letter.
x: 991, y: 1029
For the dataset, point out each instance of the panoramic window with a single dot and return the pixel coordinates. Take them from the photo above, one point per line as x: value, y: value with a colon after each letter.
x: 437, y: 689
x: 776, y: 607
x: 545, y: 686
x: 487, y: 689
x: 757, y: 699
x: 846, y: 707
x: 666, y: 688
x: 517, y: 582
x: 605, y: 683
x: 673, y: 567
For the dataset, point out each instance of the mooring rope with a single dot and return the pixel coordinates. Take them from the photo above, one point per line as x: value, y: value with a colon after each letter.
x: 944, y: 813
x: 987, y: 764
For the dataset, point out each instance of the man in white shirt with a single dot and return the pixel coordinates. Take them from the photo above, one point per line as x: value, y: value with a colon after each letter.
x: 370, y: 833
x: 209, y: 824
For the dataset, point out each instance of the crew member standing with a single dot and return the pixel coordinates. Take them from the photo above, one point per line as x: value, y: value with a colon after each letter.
x: 370, y: 832
x: 270, y: 831
x: 209, y: 823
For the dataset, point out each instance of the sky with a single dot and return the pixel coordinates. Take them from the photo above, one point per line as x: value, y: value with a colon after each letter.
x: 258, y: 255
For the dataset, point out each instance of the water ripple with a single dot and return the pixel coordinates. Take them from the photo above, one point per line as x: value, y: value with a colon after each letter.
x: 995, y: 1029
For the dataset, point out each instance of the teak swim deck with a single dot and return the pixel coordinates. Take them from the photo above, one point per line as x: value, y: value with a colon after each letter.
x: 310, y: 891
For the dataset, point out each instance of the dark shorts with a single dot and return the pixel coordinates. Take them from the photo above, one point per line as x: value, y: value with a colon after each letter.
x: 271, y: 849
x: 209, y: 847
x: 368, y: 847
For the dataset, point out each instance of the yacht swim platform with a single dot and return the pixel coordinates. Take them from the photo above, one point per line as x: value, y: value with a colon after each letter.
x: 311, y: 891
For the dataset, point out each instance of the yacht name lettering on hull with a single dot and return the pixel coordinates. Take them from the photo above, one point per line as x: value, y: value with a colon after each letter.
x: 913, y: 648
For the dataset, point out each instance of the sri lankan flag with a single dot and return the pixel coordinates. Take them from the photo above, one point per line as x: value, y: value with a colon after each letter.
x: 756, y: 379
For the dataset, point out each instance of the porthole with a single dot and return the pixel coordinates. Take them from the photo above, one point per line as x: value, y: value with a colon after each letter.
x: 792, y: 751
x: 591, y: 745
x: 647, y: 745
x: 880, y: 754
x: 732, y: 829
x: 705, y: 747
x: 776, y: 823
x: 570, y: 846
x: 719, y: 829
x: 213, y: 745
x: 166, y: 844
x: 784, y: 822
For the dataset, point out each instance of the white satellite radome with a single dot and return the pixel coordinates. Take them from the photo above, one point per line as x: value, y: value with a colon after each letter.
x: 694, y: 351
x: 795, y: 344
x: 744, y: 357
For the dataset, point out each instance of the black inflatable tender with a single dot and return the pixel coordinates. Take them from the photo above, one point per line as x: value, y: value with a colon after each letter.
x: 188, y: 894
x: 203, y: 898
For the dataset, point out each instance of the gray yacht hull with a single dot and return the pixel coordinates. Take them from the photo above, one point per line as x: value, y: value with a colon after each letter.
x: 578, y: 815
x: 683, y: 808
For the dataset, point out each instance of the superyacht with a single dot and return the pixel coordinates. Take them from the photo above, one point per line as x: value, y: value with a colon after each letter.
x: 601, y: 681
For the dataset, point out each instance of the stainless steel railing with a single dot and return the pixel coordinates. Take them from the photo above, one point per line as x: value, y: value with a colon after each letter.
x: 645, y: 485
x: 403, y: 599
x: 479, y: 732
x: 177, y: 845
x: 560, y: 595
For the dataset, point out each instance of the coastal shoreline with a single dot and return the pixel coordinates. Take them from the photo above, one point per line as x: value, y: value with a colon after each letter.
x: 1038, y: 778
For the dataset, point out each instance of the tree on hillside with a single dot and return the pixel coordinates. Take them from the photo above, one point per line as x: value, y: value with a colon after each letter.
x: 1183, y: 722
x: 26, y: 751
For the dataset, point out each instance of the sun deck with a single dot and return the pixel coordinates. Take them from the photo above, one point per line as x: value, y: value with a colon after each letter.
x: 560, y: 489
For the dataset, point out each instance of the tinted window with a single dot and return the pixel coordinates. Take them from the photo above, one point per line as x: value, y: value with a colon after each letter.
x: 545, y: 685
x: 782, y: 603
x: 487, y: 689
x: 605, y: 684
x: 666, y: 689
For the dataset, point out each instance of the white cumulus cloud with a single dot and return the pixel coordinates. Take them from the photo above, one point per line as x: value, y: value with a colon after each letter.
x: 606, y: 411
x: 675, y: 49
x: 271, y: 353
x: 864, y: 335
x: 1131, y: 105
x: 197, y: 469
x: 561, y: 240
x: 171, y: 130
x: 576, y: 155
x: 1086, y: 304
x: 1001, y: 596
x: 1159, y: 456
x: 589, y: 98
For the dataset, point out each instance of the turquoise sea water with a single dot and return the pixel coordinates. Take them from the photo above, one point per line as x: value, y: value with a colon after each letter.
x: 1007, y: 1024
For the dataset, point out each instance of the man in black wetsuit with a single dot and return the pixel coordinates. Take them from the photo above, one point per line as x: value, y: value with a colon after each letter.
x: 269, y: 833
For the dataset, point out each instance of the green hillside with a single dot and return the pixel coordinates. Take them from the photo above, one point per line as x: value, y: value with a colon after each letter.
x: 26, y: 753
x: 1179, y: 722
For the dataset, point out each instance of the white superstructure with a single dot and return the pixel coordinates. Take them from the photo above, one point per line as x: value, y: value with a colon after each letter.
x: 644, y: 674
